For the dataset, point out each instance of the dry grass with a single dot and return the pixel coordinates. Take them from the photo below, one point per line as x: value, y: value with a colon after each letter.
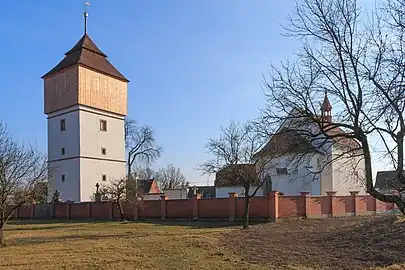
x: 114, y: 245
x: 351, y: 243
x: 339, y: 243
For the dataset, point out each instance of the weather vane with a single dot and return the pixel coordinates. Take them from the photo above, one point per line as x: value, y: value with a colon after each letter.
x: 85, y: 14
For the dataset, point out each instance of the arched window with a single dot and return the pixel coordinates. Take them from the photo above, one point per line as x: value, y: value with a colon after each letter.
x: 268, y: 183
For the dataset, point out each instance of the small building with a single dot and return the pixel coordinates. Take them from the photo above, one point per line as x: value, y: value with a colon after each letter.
x: 207, y: 192
x: 176, y: 193
x: 227, y: 182
x: 148, y: 189
x: 299, y: 157
x: 387, y: 182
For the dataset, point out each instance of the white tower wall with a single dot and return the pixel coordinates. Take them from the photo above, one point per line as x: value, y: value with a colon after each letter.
x: 84, y: 163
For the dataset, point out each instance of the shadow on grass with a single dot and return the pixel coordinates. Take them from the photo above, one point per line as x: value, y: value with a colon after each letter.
x: 334, y: 243
x: 199, y: 224
x: 377, y: 242
x: 47, y: 240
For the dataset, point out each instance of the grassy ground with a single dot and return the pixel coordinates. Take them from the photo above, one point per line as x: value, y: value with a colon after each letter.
x: 353, y: 243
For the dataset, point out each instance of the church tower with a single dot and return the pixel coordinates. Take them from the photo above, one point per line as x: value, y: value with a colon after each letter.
x: 85, y: 99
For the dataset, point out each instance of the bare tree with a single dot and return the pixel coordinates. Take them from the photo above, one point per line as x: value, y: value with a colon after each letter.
x: 23, y: 170
x: 237, y: 156
x: 360, y: 64
x: 144, y: 172
x: 140, y: 143
x: 170, y: 177
x: 116, y: 191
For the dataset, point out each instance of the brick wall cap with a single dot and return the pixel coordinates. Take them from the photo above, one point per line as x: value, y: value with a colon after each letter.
x: 273, y: 193
x: 233, y: 194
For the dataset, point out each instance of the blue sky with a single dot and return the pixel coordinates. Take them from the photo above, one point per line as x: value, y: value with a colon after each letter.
x: 194, y: 65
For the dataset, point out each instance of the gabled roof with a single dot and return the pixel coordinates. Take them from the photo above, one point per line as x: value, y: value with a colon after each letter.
x: 326, y: 106
x: 388, y: 180
x: 285, y: 142
x: 144, y: 185
x: 230, y: 175
x: 344, y: 141
x: 87, y: 54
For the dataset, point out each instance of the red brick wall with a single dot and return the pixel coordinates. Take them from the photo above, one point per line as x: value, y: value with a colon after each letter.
x: 213, y: 208
x: 80, y: 211
x: 240, y: 207
x: 61, y: 210
x: 101, y: 210
x: 291, y: 206
x: 25, y: 212
x: 150, y: 209
x: 260, y: 207
x: 179, y: 208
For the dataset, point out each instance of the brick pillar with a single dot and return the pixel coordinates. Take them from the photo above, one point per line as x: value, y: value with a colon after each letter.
x: 332, y: 196
x: 273, y: 205
x: 33, y: 210
x: 136, y: 210
x: 356, y: 201
x: 305, y: 198
x: 232, y: 206
x: 163, y: 199
x: 88, y: 208
x: 195, y: 199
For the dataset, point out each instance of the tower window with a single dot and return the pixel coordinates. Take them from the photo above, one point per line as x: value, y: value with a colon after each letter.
x: 62, y: 151
x: 281, y: 171
x: 103, y: 125
x: 103, y: 177
x: 62, y: 124
x: 62, y: 178
x: 103, y: 151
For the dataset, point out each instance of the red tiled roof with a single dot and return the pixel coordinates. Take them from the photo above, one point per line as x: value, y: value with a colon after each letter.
x: 86, y: 53
x: 286, y: 141
x: 326, y: 106
x: 342, y: 140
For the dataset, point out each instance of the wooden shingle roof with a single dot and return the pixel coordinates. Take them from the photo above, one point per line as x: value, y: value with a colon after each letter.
x: 86, y: 53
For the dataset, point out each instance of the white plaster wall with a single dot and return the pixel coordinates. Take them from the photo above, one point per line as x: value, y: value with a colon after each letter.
x: 70, y: 188
x: 69, y: 139
x: 299, y: 177
x: 176, y: 193
x: 150, y: 197
x: 91, y: 171
x: 92, y: 139
x: 223, y: 192
x: 348, y: 174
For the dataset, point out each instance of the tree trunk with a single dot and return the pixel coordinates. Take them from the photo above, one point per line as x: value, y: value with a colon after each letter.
x: 121, y: 211
x: 2, y: 214
x: 129, y: 168
x: 1, y: 235
x: 369, y: 181
x: 246, y: 213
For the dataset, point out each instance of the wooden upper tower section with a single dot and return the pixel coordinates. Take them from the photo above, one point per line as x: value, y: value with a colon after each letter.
x: 85, y: 77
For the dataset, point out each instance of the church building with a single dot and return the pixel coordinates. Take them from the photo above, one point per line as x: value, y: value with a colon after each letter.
x: 85, y: 99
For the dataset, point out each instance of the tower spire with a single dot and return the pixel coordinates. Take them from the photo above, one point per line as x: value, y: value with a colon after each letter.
x: 326, y: 108
x: 85, y: 14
